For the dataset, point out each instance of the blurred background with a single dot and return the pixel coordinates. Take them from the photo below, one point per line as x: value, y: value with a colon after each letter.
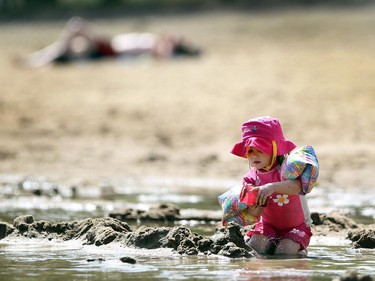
x: 309, y: 63
x: 52, y: 7
x: 94, y: 137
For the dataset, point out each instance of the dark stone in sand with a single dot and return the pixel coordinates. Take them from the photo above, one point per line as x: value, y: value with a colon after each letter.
x: 128, y: 260
x: 363, y: 238
x: 92, y: 260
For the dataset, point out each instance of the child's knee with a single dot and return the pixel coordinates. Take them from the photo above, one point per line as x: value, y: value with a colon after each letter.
x: 287, y: 247
x: 259, y: 243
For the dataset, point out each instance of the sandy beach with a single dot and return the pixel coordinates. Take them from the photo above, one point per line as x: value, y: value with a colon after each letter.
x: 312, y: 69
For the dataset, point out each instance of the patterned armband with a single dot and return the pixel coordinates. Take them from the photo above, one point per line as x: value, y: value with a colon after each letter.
x: 301, y: 163
x: 233, y: 209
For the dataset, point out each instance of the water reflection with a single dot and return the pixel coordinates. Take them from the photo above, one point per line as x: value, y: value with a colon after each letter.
x: 69, y: 260
x: 278, y: 268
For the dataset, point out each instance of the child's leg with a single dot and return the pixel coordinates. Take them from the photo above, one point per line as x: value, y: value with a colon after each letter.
x: 294, y: 241
x: 259, y: 243
x: 287, y: 247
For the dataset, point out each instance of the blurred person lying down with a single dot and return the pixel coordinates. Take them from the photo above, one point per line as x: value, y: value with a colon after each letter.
x: 80, y: 40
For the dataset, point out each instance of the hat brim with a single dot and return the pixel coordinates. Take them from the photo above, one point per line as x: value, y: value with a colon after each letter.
x: 241, y: 148
x: 283, y: 146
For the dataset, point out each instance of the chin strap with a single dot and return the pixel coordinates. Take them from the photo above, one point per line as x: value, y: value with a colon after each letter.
x: 274, y: 156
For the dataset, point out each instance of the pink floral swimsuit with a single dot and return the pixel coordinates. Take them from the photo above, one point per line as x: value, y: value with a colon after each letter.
x: 285, y: 216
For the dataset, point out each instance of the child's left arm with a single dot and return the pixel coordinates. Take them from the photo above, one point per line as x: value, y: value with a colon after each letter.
x: 289, y: 187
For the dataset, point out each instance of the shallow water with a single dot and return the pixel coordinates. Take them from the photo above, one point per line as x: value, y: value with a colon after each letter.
x: 69, y: 261
x: 47, y: 260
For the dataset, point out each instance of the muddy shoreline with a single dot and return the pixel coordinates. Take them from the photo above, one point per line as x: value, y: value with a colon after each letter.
x: 115, y: 227
x: 130, y: 228
x: 227, y: 241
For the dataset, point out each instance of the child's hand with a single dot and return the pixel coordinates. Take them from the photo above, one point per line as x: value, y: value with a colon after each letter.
x: 247, y: 195
x: 256, y: 210
x: 264, y: 192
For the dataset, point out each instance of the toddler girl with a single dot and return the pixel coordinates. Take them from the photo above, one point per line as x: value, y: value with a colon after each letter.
x: 281, y: 204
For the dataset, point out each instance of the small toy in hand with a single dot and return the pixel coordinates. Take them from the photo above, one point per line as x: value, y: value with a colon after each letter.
x: 249, y: 195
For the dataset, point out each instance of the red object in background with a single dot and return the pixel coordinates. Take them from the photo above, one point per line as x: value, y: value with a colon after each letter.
x: 248, y: 195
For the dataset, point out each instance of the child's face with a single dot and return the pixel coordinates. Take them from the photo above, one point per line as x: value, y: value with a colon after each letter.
x: 258, y: 159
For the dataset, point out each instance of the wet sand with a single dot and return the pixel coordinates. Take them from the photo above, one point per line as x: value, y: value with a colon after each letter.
x: 312, y: 69
x: 228, y: 241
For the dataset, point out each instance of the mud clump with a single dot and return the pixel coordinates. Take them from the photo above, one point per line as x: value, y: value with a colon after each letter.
x: 165, y: 212
x: 226, y: 241
x: 353, y: 276
x: 363, y: 238
x: 161, y: 212
x: 183, y: 241
x: 335, y: 222
x: 229, y: 241
x: 101, y: 231
x: 147, y: 238
x: 5, y: 229
x: 92, y: 231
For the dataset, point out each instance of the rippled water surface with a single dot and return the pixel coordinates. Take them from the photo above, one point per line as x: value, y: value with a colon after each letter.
x: 50, y: 260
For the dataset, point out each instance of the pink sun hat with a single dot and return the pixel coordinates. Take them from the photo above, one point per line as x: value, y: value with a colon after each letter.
x: 259, y: 133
